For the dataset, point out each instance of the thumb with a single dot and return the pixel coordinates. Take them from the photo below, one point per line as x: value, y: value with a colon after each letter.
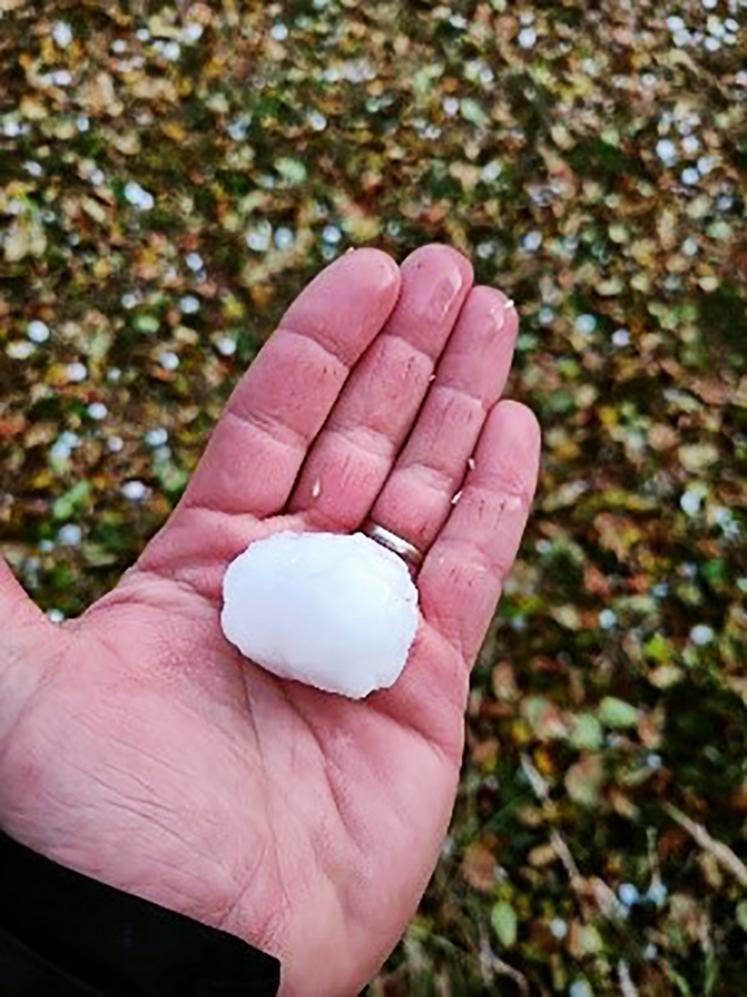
x: 25, y: 636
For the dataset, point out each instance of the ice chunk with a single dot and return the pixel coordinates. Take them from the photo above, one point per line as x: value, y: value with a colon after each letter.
x: 333, y: 611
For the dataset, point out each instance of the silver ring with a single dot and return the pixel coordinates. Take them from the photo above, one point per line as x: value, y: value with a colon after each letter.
x: 409, y: 553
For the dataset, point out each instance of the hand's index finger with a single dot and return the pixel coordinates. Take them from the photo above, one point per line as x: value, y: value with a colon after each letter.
x: 284, y: 398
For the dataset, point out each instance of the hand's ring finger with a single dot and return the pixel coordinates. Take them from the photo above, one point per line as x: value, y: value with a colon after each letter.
x: 410, y: 554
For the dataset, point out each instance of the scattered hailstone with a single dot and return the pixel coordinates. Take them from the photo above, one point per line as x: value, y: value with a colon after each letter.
x: 189, y: 304
x: 690, y: 502
x: 531, y: 242
x: 657, y: 893
x: 284, y: 237
x: 172, y: 50
x: 491, y: 171
x: 226, y: 346
x: 690, y: 246
x: 666, y: 150
x: 690, y: 145
x: 69, y: 535
x: 129, y: 300
x: 650, y: 952
x: 19, y: 349
x: 580, y: 988
x: 114, y: 444
x: 136, y: 195
x: 355, y: 610
x: 76, y: 372
x: 675, y: 23
x: 61, y: 78
x: 192, y: 33
x: 169, y: 360
x: 527, y: 38
x: 62, y: 34
x: 156, y: 437
x: 712, y: 44
x: 450, y: 106
x: 194, y: 262
x: 279, y: 31
x: 135, y: 490
x: 701, y: 634
x: 628, y: 894
x: 331, y: 235
x: 317, y: 120
x: 97, y: 411
x: 258, y: 237
x: 33, y: 168
x: 119, y: 45
x: 690, y: 176
x: 607, y: 619
x: 38, y: 331
x: 558, y: 928
x: 620, y: 337
x: 585, y: 324
x: 55, y: 615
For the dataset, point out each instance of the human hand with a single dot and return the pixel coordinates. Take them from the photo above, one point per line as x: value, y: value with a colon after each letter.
x: 138, y: 747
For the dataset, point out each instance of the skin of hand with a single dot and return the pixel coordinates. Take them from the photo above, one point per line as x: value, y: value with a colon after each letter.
x: 138, y: 747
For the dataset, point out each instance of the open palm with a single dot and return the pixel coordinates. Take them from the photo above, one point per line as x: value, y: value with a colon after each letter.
x: 138, y: 747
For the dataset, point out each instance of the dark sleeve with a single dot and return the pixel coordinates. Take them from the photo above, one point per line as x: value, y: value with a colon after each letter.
x: 66, y: 935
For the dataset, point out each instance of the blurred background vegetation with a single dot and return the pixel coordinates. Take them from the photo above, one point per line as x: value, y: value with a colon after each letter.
x: 171, y: 175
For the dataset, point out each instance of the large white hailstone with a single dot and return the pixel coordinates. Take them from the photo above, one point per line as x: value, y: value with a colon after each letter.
x: 336, y: 612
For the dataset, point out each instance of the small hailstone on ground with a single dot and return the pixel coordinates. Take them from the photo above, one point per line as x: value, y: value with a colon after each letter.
x: 701, y: 634
x: 226, y: 346
x: 97, y: 411
x: 114, y: 444
x: 169, y: 360
x: 156, y: 437
x: 352, y: 605
x: 55, y: 615
x: 317, y: 120
x: 193, y: 32
x: 62, y: 34
x: 70, y: 535
x: 194, y: 262
x: 331, y: 234
x: 585, y: 324
x: 558, y: 928
x: 140, y: 198
x: 628, y: 894
x: 76, y: 372
x: 620, y: 337
x: 135, y: 491
x: 607, y: 619
x: 666, y: 150
x: 527, y: 38
x: 690, y: 502
x: 37, y: 331
x: 189, y: 304
x: 531, y: 241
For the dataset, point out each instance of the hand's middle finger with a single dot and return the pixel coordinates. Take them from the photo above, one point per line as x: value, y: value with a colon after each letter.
x: 355, y: 450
